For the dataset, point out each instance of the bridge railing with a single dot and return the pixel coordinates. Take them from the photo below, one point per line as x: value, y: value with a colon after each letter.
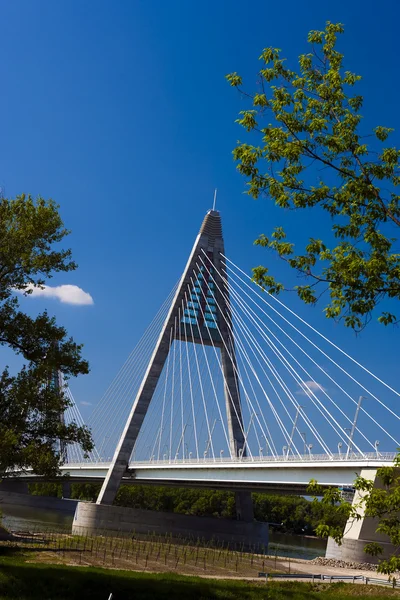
x: 383, y: 457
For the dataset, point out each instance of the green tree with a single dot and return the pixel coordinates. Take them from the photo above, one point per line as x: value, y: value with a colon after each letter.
x: 292, y: 514
x: 30, y: 407
x: 381, y: 502
x: 50, y: 489
x: 310, y: 152
x: 85, y: 491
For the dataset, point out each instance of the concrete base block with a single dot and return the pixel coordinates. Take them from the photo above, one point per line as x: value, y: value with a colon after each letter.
x: 46, y: 502
x: 14, y: 485
x: 102, y: 519
x: 353, y: 551
x: 244, y: 507
x: 66, y: 489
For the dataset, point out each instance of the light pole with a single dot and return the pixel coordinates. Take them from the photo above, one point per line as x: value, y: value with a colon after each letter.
x: 260, y: 451
x: 181, y: 440
x: 309, y: 449
x: 167, y: 452
x: 284, y: 448
x: 208, y: 442
x: 376, y: 448
x: 348, y: 430
x: 267, y: 446
x: 339, y: 447
x: 221, y: 454
x: 298, y: 409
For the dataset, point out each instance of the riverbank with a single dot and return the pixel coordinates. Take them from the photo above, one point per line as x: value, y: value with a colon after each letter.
x: 22, y: 578
x: 22, y: 518
x: 160, y: 554
x: 195, y: 561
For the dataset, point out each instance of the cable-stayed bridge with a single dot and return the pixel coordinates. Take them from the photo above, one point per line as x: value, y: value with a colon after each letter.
x: 229, y: 387
x: 242, y: 378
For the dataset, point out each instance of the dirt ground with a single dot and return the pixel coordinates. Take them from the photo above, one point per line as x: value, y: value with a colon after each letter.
x: 157, y: 555
x: 223, y: 566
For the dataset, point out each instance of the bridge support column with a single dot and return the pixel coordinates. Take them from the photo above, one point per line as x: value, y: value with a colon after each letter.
x: 66, y: 489
x: 101, y: 519
x: 14, y: 485
x: 359, y: 533
x: 244, y: 501
x: 244, y: 507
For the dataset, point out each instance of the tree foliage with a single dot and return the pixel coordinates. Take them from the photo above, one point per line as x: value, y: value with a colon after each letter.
x: 311, y: 152
x: 380, y: 502
x: 30, y: 408
x: 288, y: 514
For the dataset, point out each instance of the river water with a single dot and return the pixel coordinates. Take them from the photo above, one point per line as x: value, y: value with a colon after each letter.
x: 23, y: 518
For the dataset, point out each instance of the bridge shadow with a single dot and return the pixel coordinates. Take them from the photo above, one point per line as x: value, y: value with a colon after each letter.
x: 20, y: 551
x: 29, y: 581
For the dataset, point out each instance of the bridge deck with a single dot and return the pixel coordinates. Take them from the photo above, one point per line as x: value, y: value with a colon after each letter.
x: 284, y: 476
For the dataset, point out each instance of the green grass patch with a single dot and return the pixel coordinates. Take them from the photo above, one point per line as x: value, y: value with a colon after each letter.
x: 24, y: 580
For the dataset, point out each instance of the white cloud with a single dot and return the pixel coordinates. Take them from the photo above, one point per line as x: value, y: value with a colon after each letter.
x: 84, y: 403
x: 313, y: 386
x: 67, y: 294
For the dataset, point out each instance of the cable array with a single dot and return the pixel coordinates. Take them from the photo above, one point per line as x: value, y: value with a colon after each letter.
x: 301, y: 394
x: 109, y: 415
x: 74, y: 452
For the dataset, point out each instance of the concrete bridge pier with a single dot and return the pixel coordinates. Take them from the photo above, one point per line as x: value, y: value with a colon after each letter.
x: 16, y: 492
x: 102, y: 519
x: 359, y: 533
x: 66, y: 489
x: 106, y: 519
x: 15, y: 486
x: 244, y: 507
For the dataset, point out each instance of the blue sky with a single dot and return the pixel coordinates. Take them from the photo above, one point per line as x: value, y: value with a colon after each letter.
x: 120, y: 112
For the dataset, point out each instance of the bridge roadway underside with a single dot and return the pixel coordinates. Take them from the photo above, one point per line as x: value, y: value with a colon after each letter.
x: 279, y: 477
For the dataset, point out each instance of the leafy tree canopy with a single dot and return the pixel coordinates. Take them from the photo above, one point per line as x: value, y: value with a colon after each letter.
x: 292, y: 514
x: 312, y: 152
x: 30, y: 408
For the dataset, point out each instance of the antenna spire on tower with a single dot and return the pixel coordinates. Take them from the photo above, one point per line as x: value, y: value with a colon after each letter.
x: 215, y: 198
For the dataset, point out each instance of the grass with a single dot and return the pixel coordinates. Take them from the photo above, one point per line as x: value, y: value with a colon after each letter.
x: 22, y: 579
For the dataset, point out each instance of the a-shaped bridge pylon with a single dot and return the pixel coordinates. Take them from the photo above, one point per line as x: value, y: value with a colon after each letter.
x: 227, y: 370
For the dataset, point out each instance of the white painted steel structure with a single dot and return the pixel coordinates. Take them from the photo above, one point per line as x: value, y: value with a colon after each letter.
x: 230, y: 388
x: 246, y: 392
x: 284, y: 475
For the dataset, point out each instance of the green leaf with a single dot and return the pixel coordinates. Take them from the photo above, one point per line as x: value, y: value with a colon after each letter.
x: 382, y: 133
x: 314, y: 131
x: 234, y: 79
